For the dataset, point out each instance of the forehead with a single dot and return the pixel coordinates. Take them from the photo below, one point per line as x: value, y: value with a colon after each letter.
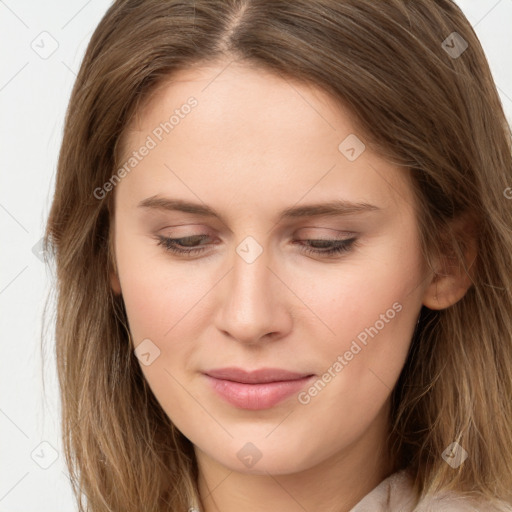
x: 251, y: 134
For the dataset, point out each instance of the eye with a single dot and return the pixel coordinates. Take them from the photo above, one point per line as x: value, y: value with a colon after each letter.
x: 188, y: 246
x: 328, y: 247
x: 175, y: 245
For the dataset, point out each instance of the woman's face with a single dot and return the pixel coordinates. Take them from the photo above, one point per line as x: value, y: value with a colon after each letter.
x: 254, y: 169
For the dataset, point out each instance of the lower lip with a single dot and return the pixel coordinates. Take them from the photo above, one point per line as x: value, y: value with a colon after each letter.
x: 256, y: 396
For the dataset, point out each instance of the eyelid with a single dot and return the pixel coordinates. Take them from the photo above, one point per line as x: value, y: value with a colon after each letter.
x: 333, y: 233
x: 188, y: 231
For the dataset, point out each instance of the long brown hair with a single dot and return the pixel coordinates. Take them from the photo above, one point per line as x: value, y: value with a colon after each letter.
x: 423, y: 100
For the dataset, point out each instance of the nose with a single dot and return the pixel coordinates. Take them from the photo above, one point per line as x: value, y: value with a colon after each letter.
x: 253, y: 302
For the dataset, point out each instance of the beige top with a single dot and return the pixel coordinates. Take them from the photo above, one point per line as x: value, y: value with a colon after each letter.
x: 395, y: 494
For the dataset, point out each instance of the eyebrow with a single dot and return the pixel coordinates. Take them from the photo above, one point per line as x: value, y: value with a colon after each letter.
x: 337, y: 207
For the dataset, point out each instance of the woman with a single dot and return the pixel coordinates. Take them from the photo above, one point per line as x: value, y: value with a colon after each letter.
x: 283, y: 249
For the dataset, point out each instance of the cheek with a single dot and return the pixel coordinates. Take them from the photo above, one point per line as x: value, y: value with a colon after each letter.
x: 159, y: 301
x: 361, y: 363
x: 169, y: 304
x: 352, y: 296
x: 156, y: 294
x: 370, y: 308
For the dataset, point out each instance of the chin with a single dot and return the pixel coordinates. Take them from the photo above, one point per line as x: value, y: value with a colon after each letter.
x: 261, y: 456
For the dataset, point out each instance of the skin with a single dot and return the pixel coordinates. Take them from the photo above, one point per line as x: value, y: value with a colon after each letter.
x: 254, y: 145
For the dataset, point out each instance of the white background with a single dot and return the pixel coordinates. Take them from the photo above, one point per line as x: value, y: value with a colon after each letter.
x: 34, y: 92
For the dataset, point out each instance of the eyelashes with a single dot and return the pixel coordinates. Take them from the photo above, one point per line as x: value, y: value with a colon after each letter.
x: 324, y: 247
x: 334, y: 247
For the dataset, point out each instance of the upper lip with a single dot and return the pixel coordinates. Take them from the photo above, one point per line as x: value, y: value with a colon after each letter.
x: 258, y: 376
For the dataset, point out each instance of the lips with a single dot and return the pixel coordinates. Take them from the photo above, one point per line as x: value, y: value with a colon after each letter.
x: 258, y: 389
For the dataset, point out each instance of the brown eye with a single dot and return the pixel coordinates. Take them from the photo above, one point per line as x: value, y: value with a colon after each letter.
x: 180, y: 245
x: 328, y: 247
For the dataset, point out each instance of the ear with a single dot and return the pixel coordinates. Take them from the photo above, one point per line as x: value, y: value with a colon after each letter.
x: 451, y: 280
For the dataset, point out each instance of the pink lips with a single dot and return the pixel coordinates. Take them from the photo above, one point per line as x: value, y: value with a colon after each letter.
x: 259, y: 389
